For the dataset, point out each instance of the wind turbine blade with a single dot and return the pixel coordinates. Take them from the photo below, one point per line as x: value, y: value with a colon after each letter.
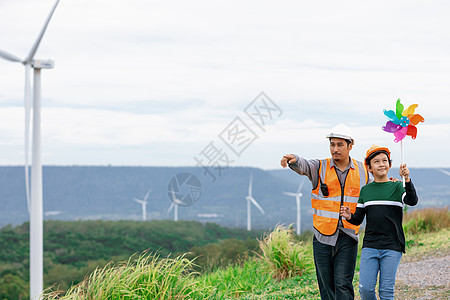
x: 139, y: 201
x: 444, y: 172
x: 179, y: 202
x: 257, y: 205
x: 9, y: 56
x: 290, y: 194
x: 301, y: 185
x: 174, y: 199
x: 148, y: 193
x: 27, y: 104
x: 170, y: 208
x: 41, y: 34
x: 250, y: 185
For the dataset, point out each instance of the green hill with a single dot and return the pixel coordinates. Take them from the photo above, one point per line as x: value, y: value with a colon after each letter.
x: 74, y: 249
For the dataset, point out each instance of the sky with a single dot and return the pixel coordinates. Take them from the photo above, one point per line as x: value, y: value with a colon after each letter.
x: 225, y: 83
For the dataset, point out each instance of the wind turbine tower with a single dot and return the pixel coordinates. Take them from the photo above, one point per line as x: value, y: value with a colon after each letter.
x: 34, y: 201
x: 251, y: 200
x: 175, y: 211
x: 298, y: 196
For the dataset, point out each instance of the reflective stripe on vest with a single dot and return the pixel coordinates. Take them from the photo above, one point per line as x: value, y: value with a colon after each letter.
x: 326, y: 208
x: 327, y: 214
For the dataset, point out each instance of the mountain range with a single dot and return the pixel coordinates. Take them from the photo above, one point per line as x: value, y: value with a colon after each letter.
x: 107, y: 192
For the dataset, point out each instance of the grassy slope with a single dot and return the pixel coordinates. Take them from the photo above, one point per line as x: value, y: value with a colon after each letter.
x: 250, y: 280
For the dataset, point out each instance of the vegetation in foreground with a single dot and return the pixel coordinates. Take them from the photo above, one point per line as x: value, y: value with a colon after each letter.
x: 151, y: 277
x: 279, y: 268
x: 73, y: 249
x: 283, y: 270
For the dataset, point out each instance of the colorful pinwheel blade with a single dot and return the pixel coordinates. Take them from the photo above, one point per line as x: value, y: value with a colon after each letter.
x: 415, y: 119
x: 412, y: 131
x: 391, y: 127
x: 400, y: 135
x: 392, y: 116
x: 399, y: 109
x: 410, y: 110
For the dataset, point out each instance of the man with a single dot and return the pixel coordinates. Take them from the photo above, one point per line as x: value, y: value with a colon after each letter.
x: 336, y: 181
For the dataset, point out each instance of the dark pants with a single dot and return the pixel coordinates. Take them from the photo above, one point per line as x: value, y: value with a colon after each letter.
x: 335, y: 267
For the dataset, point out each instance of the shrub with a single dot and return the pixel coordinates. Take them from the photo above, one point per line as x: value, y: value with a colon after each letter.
x: 282, y: 255
x: 426, y: 220
x: 13, y: 287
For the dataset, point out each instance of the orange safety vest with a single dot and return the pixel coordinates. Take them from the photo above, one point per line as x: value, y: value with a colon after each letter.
x: 326, y: 208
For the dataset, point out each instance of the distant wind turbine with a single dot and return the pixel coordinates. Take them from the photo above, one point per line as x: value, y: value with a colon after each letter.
x: 250, y: 200
x: 144, y: 204
x: 34, y: 201
x: 174, y: 204
x: 298, y: 196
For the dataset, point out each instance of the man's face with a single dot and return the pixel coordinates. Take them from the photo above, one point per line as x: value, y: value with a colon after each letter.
x: 339, y: 149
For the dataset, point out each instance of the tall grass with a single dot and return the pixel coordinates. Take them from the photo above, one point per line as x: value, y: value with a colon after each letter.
x: 283, y: 256
x: 147, y: 277
x: 235, y: 281
x: 426, y: 220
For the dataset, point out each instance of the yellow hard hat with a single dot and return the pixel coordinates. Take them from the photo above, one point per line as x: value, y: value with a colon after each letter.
x: 376, y: 148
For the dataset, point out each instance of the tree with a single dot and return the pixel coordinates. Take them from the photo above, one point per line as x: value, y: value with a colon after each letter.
x: 13, y: 287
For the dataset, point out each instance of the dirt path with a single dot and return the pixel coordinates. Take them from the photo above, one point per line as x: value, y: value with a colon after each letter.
x: 428, y: 278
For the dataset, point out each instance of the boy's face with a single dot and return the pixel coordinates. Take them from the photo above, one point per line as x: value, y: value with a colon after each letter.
x: 379, y: 165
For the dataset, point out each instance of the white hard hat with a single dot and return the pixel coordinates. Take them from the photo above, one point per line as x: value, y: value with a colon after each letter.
x: 341, y: 131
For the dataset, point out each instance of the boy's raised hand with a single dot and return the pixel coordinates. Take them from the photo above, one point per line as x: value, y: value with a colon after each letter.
x: 345, y: 212
x: 404, y: 171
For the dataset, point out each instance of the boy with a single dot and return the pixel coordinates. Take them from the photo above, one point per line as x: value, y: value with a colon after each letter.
x: 382, y: 203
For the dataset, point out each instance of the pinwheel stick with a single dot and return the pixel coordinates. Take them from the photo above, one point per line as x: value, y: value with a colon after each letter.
x: 401, y: 150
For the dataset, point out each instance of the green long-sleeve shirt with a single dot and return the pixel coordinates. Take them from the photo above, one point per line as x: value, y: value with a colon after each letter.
x: 382, y: 205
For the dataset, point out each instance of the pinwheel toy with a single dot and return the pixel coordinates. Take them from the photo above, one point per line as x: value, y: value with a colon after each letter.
x: 402, y: 123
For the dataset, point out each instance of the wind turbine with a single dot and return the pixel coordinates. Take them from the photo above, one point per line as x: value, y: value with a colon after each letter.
x: 174, y: 204
x: 298, y: 196
x: 34, y: 201
x: 250, y: 200
x: 144, y: 204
